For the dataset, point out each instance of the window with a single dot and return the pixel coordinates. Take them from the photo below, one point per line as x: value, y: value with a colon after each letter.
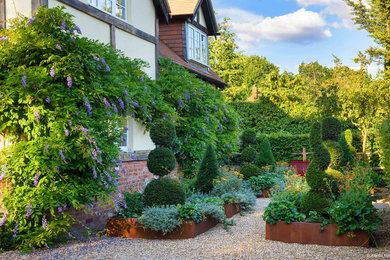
x: 125, y: 137
x: 197, y: 45
x: 116, y: 8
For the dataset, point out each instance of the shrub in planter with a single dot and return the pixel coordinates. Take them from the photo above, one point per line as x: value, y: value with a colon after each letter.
x: 313, y: 201
x: 134, y: 205
x: 262, y: 182
x: 248, y: 155
x: 285, y: 211
x: 208, y: 171
x: 265, y: 156
x: 249, y: 170
x: 161, y: 161
x: 164, y: 191
x: 248, y: 138
x: 164, y: 218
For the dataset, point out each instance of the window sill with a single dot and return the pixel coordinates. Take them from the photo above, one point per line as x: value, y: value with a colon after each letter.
x: 134, y: 156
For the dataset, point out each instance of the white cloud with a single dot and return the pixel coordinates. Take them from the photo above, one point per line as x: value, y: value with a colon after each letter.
x: 301, y: 26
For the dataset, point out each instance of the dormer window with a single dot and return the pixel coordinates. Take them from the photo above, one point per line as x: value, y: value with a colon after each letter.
x: 116, y: 8
x: 197, y: 45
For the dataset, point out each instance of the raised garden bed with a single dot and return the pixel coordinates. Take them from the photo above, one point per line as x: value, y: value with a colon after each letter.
x: 308, y: 233
x: 130, y: 228
x: 265, y: 193
x: 231, y: 209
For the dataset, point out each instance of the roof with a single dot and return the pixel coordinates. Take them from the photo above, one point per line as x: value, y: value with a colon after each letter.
x: 209, y: 76
x: 183, y: 7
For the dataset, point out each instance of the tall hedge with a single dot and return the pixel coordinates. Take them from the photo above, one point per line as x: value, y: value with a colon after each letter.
x: 284, y: 144
x: 384, y: 142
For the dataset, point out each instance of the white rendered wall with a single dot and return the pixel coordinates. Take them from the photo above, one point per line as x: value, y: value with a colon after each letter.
x: 139, y: 138
x: 142, y: 15
x: 202, y: 20
x: 15, y: 7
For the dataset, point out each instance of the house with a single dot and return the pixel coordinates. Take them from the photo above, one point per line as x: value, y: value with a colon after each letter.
x: 184, y: 38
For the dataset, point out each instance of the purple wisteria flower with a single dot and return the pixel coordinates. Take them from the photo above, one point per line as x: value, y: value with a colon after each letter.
x: 153, y: 103
x: 188, y: 96
x: 3, y: 219
x: 52, y: 71
x: 48, y: 99
x: 88, y: 105
x: 132, y: 115
x: 208, y: 119
x: 16, y: 230
x: 185, y: 139
x: 36, y: 179
x: 78, y: 66
x: 3, y: 171
x: 71, y: 30
x: 63, y: 25
x: 220, y: 127
x: 69, y: 81
x: 29, y: 209
x: 99, y: 67
x: 96, y: 58
x: 194, y: 94
x: 58, y: 47
x: 201, y: 90
x: 141, y: 79
x: 106, y: 102
x: 90, y: 140
x: 121, y: 104
x: 76, y: 113
x: 125, y: 92
x: 44, y: 222
x: 66, y: 132
x: 115, y: 109
x: 36, y: 115
x: 200, y: 147
x: 224, y: 118
x: 145, y: 88
x: 30, y: 22
x: 62, y: 156
x: 108, y: 68
x: 216, y: 108
x: 47, y: 148
x: 78, y: 29
x: 59, y: 209
x: 4, y: 38
x: 241, y: 121
x: 207, y: 111
x: 24, y: 81
x: 58, y: 168
x: 135, y: 104
x: 70, y: 123
x: 203, y: 129
x: 72, y: 39
x: 52, y: 17
x: 94, y: 172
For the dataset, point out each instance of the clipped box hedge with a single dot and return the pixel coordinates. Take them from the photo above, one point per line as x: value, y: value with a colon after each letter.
x: 284, y: 144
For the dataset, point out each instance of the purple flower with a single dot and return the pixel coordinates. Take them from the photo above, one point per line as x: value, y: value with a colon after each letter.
x: 194, y: 94
x: 141, y: 79
x: 185, y: 139
x: 69, y: 80
x: 48, y: 99
x: 24, y: 81
x: 103, y: 61
x: 3, y: 171
x: 78, y: 66
x: 94, y: 172
x: 3, y: 219
x: 88, y: 105
x: 58, y: 168
x: 62, y: 156
x: 188, y: 96
x: 99, y: 67
x: 47, y: 148
x: 52, y: 17
x: 30, y: 22
x: 225, y: 118
x: 132, y: 115
x: 64, y: 207
x: 208, y: 119
x: 33, y: 86
x: 29, y: 209
x: 108, y: 68
x: 36, y: 179
x: 76, y: 113
x: 135, y: 104
x: 16, y: 229
x: 78, y: 29
x: 121, y: 105
x: 125, y: 92
x: 90, y: 140
x: 59, y: 209
x: 71, y: 30
x: 201, y: 90
x: 44, y: 222
x: 220, y: 126
x: 66, y: 132
x: 241, y: 121
x: 96, y: 58
x: 70, y: 123
x: 36, y: 115
x: 72, y: 39
x: 200, y: 147
x: 58, y: 47
x: 216, y: 108
x: 108, y: 114
x: 4, y: 38
x: 115, y: 109
x: 63, y: 25
x: 203, y: 129
x: 153, y: 103
x: 206, y: 110
x: 106, y: 102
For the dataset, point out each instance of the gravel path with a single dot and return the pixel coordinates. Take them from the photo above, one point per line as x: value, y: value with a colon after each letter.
x: 246, y: 240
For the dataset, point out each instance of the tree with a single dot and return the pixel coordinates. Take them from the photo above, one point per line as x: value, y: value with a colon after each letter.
x: 208, y: 171
x: 374, y: 17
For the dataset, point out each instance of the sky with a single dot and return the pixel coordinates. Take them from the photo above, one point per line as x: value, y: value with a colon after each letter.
x: 289, y: 32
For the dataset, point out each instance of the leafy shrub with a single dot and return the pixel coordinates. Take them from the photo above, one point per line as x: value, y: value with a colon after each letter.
x: 354, y: 211
x: 336, y: 154
x: 164, y: 218
x: 248, y: 138
x: 164, y: 191
x: 134, y: 205
x: 63, y: 100
x: 350, y: 140
x: 249, y: 170
x: 248, y: 155
x: 321, y: 157
x: 315, y: 178
x: 262, y: 182
x: 208, y: 171
x: 163, y: 133
x: 331, y: 129
x: 202, y: 116
x: 284, y: 144
x: 285, y: 211
x: 347, y: 157
x: 190, y: 211
x: 265, y: 156
x: 161, y: 161
x: 313, y: 201
x: 384, y: 143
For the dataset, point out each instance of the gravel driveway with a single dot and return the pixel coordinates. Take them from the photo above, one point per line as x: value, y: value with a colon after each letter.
x: 246, y: 240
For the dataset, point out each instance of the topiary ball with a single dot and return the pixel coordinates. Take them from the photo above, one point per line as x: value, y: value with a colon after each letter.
x: 331, y: 129
x: 164, y: 191
x: 313, y: 201
x: 248, y: 138
x: 161, y: 161
x: 163, y: 133
x: 249, y: 170
x: 248, y: 155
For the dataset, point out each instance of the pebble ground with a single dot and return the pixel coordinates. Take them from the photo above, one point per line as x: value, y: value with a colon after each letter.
x: 246, y: 240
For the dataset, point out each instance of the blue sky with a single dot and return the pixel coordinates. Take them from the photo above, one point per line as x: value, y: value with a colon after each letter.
x: 288, y: 32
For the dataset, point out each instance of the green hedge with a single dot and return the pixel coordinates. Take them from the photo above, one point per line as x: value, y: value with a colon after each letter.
x: 384, y: 141
x: 283, y: 145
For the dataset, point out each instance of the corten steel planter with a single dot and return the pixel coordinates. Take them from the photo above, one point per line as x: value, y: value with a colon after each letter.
x: 130, y: 228
x: 231, y: 209
x: 265, y: 193
x: 309, y: 233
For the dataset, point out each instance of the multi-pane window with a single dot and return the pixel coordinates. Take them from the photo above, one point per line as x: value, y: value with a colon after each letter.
x: 197, y: 45
x: 115, y: 7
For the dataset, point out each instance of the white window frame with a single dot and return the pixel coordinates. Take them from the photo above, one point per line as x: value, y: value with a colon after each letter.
x: 194, y: 36
x: 97, y: 3
x: 127, y: 148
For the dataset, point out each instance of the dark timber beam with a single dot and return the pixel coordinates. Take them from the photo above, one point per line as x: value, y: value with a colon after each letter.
x: 3, y: 16
x: 112, y: 36
x: 37, y: 3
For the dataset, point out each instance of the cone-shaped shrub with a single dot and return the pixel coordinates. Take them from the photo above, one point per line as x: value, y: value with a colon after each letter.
x: 248, y: 155
x: 265, y: 156
x: 163, y: 133
x: 347, y: 155
x: 161, y: 161
x: 208, y: 171
x: 248, y: 138
x: 164, y: 191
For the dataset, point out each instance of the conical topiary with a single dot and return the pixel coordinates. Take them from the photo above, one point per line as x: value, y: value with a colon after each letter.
x: 248, y: 138
x: 347, y: 155
x: 264, y: 156
x: 208, y: 171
